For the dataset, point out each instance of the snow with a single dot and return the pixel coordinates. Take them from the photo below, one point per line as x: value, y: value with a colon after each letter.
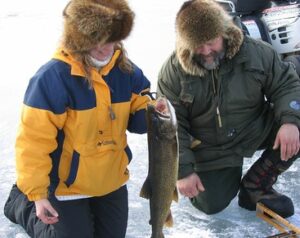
x: 29, y: 33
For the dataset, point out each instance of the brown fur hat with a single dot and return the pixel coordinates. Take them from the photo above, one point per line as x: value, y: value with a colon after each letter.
x: 199, y: 21
x: 89, y: 22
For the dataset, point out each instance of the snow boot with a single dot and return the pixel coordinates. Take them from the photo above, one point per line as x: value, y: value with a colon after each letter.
x: 256, y: 185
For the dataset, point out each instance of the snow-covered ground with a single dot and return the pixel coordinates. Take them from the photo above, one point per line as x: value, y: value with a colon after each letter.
x: 29, y: 32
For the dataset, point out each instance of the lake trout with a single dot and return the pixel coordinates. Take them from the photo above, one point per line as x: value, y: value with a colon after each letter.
x: 160, y: 184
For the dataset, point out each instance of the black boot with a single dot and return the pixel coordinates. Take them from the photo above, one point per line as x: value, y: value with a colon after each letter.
x: 256, y: 185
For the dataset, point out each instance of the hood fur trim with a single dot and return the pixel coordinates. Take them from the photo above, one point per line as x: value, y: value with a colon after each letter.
x: 199, y: 21
x: 90, y: 22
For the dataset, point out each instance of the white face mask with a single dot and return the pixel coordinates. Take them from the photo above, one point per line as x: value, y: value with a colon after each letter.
x: 100, y: 63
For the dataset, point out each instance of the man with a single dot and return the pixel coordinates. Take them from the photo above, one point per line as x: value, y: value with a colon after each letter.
x: 232, y: 96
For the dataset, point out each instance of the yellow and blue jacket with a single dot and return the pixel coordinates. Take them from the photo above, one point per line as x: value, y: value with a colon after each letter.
x: 72, y: 138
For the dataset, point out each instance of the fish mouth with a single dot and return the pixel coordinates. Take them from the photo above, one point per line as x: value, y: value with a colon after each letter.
x: 161, y: 107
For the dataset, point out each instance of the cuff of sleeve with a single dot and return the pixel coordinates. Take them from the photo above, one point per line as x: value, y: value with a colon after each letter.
x: 36, y: 197
x: 185, y: 170
x: 291, y: 120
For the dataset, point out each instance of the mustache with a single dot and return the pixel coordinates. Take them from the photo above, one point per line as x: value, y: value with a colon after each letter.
x: 216, y: 55
x: 201, y: 60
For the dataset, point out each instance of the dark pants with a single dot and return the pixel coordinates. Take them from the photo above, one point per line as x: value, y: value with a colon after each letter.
x: 96, y: 217
x: 221, y: 186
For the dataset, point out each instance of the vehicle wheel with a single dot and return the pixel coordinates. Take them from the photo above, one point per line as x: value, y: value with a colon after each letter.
x: 295, y: 61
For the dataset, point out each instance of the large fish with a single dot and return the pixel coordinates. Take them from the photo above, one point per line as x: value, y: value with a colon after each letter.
x: 160, y: 184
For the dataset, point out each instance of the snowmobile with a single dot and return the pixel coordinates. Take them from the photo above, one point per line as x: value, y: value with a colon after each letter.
x: 276, y: 22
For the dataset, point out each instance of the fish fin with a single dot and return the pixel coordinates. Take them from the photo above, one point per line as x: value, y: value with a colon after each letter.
x: 146, y: 189
x: 175, y: 195
x: 169, y: 220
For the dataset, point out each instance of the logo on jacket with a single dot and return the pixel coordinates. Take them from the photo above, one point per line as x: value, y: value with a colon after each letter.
x: 295, y: 105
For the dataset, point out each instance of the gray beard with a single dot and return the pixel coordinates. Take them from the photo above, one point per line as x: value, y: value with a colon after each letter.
x: 200, y: 60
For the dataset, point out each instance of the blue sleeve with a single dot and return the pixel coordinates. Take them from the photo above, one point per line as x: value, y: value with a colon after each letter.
x: 141, y: 85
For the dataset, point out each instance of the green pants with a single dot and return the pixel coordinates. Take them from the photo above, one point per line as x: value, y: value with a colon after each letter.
x: 221, y: 186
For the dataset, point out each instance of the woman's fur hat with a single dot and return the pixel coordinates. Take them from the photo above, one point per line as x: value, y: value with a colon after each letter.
x: 199, y: 21
x: 89, y: 22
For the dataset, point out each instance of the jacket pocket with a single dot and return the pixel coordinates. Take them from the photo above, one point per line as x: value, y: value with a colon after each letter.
x: 128, y: 153
x: 73, y: 169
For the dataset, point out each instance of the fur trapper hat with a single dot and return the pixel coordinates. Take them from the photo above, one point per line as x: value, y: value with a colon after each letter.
x: 89, y: 22
x: 199, y: 21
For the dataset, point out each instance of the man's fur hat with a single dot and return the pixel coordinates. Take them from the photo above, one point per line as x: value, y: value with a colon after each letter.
x: 199, y: 21
x: 89, y: 22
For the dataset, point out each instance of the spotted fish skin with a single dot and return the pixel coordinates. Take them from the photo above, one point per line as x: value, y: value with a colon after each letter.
x: 160, y: 184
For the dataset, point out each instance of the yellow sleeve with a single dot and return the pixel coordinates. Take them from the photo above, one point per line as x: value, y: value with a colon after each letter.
x: 36, y: 139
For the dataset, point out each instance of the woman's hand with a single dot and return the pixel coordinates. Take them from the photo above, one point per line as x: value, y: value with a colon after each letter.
x: 46, y: 212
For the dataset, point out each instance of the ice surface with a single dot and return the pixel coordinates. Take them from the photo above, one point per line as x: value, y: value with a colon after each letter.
x: 29, y: 32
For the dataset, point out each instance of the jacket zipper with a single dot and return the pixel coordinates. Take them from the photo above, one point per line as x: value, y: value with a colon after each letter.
x: 112, y: 114
x: 217, y: 98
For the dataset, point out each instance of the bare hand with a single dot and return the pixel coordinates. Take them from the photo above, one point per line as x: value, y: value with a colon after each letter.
x: 190, y: 186
x: 288, y: 140
x: 46, y: 212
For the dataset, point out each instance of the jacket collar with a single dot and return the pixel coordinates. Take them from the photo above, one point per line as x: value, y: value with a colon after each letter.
x: 77, y: 67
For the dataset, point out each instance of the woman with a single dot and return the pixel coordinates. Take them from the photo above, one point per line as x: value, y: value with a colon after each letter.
x: 71, y: 149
